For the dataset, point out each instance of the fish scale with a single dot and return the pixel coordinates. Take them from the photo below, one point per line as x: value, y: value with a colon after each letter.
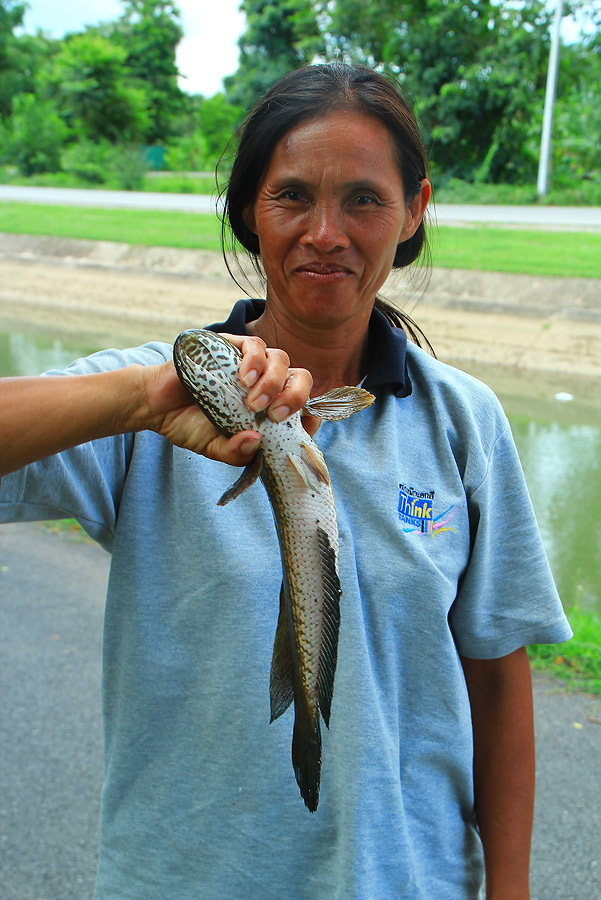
x: 296, y: 478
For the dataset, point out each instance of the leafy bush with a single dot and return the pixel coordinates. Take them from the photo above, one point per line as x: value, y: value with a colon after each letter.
x: 188, y: 153
x: 122, y: 167
x: 88, y: 161
x: 35, y: 136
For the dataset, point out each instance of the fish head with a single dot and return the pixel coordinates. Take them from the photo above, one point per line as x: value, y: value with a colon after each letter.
x: 207, y: 365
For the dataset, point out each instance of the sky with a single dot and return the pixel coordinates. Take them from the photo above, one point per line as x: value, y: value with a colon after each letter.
x: 207, y: 53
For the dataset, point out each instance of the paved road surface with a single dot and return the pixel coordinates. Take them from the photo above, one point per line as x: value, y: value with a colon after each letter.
x: 51, y: 602
x: 540, y: 216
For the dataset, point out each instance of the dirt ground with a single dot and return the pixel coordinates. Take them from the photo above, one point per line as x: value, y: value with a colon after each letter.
x: 116, y: 293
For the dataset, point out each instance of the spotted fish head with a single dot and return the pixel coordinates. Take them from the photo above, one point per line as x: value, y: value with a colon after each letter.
x: 207, y: 365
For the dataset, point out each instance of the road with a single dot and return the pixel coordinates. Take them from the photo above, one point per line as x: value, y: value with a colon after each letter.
x: 531, y: 216
x: 51, y: 603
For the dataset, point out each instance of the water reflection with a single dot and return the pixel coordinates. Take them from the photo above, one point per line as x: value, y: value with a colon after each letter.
x: 562, y: 464
x: 559, y: 445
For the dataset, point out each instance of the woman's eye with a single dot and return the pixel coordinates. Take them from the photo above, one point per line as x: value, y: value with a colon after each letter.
x: 364, y: 200
x: 291, y: 196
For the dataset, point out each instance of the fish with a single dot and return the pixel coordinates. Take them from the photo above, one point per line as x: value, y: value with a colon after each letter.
x: 295, y: 476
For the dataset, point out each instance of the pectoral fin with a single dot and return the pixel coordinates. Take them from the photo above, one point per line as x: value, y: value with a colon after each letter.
x: 249, y: 475
x: 339, y: 403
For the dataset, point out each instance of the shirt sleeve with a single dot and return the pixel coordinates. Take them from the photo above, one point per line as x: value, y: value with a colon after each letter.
x: 85, y: 482
x: 507, y: 597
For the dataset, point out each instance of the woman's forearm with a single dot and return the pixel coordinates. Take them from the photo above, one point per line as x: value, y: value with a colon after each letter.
x: 44, y: 415
x: 501, y: 700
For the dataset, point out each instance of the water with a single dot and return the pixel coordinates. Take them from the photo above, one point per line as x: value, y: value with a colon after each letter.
x: 559, y: 444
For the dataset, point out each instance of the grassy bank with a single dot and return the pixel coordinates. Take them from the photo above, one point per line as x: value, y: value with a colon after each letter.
x: 528, y: 251
x: 578, y: 662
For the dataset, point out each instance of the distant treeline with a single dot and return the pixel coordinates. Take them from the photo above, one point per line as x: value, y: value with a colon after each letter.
x: 94, y: 102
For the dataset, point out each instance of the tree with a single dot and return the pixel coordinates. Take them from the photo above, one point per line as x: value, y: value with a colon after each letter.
x: 576, y: 150
x: 149, y: 31
x: 36, y: 135
x: 97, y: 100
x: 11, y: 16
x: 473, y: 68
x: 279, y: 37
x: 218, y: 121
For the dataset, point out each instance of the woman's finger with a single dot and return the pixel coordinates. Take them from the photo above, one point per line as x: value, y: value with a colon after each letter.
x: 273, y: 385
x: 293, y: 396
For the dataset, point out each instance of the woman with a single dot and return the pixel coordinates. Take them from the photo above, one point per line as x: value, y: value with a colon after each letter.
x: 443, y: 575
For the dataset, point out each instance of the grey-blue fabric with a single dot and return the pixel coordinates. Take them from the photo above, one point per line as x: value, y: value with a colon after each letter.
x: 440, y: 555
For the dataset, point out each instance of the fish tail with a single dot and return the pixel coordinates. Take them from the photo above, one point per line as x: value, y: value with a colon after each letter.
x: 306, y: 759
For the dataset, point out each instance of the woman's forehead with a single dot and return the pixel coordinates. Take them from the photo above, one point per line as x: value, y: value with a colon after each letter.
x: 351, y: 138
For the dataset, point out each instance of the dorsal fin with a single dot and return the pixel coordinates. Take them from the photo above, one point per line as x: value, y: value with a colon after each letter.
x: 328, y: 653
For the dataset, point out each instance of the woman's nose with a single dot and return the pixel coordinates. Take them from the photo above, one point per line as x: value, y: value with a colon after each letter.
x: 325, y: 230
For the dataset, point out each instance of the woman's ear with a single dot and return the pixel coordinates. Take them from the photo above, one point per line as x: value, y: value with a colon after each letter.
x: 415, y: 211
x: 248, y: 217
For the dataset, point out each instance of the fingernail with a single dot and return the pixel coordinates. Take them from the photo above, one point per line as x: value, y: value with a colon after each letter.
x: 250, y: 378
x: 260, y: 403
x: 249, y: 447
x: 279, y: 414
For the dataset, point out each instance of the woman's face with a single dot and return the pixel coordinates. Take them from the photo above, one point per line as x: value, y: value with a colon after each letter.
x: 329, y: 214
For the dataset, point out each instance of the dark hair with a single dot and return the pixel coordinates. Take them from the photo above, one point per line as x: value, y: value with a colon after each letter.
x: 308, y: 93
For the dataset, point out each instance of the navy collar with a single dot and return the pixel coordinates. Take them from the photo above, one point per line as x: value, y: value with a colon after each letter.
x: 387, y: 347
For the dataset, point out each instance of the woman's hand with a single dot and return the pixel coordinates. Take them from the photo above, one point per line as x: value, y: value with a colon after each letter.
x: 43, y: 416
x: 273, y: 387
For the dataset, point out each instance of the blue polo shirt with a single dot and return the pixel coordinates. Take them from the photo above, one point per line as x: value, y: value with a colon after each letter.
x: 440, y: 555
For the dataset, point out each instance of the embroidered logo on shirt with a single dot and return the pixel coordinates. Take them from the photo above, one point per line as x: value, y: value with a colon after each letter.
x: 416, y: 511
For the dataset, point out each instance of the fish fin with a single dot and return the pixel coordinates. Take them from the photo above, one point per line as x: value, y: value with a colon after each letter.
x: 339, y: 403
x: 281, y: 687
x: 308, y: 475
x: 306, y: 760
x: 328, y: 653
x: 249, y: 475
x: 314, y: 460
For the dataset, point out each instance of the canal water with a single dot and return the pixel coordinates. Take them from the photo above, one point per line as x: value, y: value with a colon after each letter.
x: 556, y: 422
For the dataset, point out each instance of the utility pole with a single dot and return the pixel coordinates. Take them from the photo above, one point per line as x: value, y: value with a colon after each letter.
x: 545, y: 141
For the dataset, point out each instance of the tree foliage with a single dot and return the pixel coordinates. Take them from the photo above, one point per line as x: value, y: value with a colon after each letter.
x: 471, y: 67
x: 19, y: 55
x: 279, y: 36
x: 149, y: 31
x: 37, y: 134
x: 96, y: 100
x: 475, y: 70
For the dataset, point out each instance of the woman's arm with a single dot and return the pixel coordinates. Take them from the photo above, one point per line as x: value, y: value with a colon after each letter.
x: 42, y: 416
x: 500, y: 692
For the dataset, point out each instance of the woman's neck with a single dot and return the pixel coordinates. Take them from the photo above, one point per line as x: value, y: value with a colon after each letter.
x: 335, y: 356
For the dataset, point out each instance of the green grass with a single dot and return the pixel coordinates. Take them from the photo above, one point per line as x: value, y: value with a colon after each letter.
x: 528, y: 251
x: 132, y: 226
x: 486, y: 248
x: 577, y: 662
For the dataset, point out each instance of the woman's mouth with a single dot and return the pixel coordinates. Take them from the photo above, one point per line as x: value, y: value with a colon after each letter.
x: 324, y: 271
